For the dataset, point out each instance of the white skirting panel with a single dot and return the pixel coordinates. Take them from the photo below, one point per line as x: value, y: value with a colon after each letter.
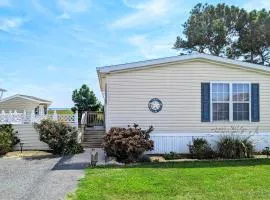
x: 166, y: 143
x: 29, y: 137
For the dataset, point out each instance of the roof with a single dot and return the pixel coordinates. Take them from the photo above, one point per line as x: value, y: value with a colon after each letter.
x: 31, y: 98
x: 102, y: 71
x: 146, y: 63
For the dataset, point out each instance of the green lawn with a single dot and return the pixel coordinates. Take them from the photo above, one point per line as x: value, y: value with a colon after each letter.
x: 61, y: 112
x: 249, y: 179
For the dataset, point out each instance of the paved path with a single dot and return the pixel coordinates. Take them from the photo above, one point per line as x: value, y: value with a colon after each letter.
x: 45, y: 179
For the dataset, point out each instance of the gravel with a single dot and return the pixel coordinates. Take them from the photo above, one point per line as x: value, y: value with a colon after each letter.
x: 43, y: 179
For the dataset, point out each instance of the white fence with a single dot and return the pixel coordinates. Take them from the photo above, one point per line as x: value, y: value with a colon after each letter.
x: 166, y: 143
x: 26, y: 118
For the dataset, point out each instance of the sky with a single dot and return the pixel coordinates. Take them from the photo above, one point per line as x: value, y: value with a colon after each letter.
x: 48, y: 48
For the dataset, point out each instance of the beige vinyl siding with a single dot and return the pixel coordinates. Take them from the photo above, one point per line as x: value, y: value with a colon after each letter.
x: 178, y: 86
x: 18, y: 104
x: 29, y: 137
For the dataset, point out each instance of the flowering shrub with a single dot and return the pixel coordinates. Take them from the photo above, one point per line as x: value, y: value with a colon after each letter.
x: 7, y: 138
x: 128, y: 144
x: 61, y: 137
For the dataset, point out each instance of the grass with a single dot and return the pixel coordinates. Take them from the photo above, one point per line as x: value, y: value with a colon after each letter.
x: 61, y: 112
x: 246, y: 179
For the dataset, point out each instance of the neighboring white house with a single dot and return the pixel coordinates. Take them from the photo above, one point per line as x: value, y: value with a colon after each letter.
x: 24, y: 103
x: 22, y: 111
x: 187, y: 96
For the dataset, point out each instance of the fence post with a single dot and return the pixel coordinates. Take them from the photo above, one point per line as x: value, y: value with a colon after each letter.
x: 76, y: 119
x: 55, y: 117
x: 10, y: 117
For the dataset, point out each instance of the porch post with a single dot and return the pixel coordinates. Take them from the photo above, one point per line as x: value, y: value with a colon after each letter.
x: 32, y: 119
x: 41, y: 110
x: 76, y: 119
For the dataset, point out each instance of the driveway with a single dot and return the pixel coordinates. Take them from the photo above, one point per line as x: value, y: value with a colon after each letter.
x: 42, y: 179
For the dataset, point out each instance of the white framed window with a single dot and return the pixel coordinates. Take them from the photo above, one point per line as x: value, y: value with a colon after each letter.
x: 230, y: 101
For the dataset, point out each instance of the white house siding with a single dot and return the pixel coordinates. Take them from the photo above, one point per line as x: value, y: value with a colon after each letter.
x: 178, y: 86
x: 18, y: 104
x: 30, y: 137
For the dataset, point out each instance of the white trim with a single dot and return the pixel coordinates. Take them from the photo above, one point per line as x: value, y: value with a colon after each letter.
x: 231, y: 102
x: 23, y: 97
x: 145, y: 63
x: 102, y: 71
x: 182, y: 134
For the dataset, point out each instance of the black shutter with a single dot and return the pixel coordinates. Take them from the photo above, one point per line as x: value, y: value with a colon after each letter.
x: 205, y: 102
x: 255, y: 102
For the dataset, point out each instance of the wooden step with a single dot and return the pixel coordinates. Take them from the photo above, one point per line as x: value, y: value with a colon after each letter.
x: 92, y: 144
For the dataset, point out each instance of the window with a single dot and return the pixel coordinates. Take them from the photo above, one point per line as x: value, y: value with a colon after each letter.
x: 220, y: 101
x: 230, y: 101
x: 240, y: 102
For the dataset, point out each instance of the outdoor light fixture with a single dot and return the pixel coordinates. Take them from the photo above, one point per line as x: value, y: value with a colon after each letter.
x: 21, y: 145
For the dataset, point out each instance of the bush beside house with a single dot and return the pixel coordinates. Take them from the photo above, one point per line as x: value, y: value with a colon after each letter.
x: 227, y: 147
x: 60, y: 137
x: 8, y: 139
x: 128, y: 144
x: 201, y: 149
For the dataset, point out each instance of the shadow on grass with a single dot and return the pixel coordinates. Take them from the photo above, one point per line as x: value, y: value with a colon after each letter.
x: 195, y: 164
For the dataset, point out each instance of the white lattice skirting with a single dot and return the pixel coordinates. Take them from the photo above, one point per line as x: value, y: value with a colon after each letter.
x: 166, y: 143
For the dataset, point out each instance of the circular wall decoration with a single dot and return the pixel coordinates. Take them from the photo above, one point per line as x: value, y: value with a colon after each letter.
x: 155, y: 105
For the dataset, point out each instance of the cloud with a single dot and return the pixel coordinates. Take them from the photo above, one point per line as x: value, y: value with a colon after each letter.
x: 74, y: 6
x: 257, y: 4
x: 38, y: 6
x: 9, y: 24
x: 51, y: 68
x: 150, y: 47
x: 63, y: 16
x: 5, y: 3
x: 145, y: 13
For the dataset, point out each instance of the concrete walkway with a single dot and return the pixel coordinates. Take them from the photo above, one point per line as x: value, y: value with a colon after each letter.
x: 44, y: 179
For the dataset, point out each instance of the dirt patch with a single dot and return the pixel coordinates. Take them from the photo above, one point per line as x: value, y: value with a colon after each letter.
x: 28, y: 154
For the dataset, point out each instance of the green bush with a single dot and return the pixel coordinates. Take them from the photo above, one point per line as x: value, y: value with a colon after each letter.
x: 61, y: 137
x: 145, y: 159
x: 265, y: 151
x: 172, y: 156
x: 234, y: 147
x: 7, y: 138
x: 201, y: 149
x: 127, y: 144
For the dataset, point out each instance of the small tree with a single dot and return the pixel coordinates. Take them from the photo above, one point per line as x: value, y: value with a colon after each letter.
x: 85, y: 100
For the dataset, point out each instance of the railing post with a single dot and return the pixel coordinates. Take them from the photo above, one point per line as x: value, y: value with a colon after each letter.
x: 55, y: 117
x: 32, y: 118
x: 2, y: 116
x: 24, y: 117
x: 76, y: 118
x: 10, y: 117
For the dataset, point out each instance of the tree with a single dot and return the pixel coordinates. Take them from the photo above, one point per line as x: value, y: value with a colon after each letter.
x: 254, y: 37
x: 208, y: 29
x: 85, y: 100
x: 227, y: 31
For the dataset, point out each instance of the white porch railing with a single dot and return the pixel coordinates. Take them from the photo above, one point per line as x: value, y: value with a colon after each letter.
x: 26, y: 118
